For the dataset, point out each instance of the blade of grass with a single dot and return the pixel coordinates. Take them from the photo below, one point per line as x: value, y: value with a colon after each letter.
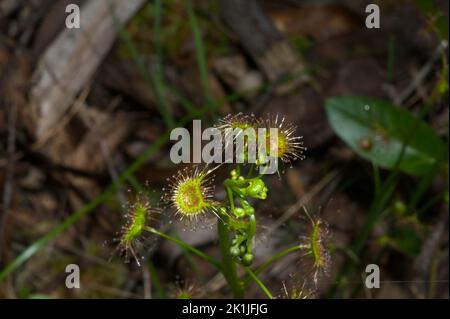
x: 69, y: 221
x: 154, y: 80
x: 193, y: 263
x: 194, y: 266
x: 156, y: 283
x: 157, y: 31
x: 200, y: 54
x: 375, y: 212
x: 185, y: 103
x: 136, y: 184
x: 378, y: 205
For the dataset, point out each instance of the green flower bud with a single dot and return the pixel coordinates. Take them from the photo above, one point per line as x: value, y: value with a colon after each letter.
x: 239, y: 212
x: 263, y: 195
x: 247, y: 259
x: 256, y: 189
x: 249, y: 210
x: 235, y: 251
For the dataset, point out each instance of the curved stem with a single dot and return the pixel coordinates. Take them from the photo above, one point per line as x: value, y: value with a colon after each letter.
x: 230, y: 198
x: 259, y: 282
x: 278, y: 256
x: 186, y: 246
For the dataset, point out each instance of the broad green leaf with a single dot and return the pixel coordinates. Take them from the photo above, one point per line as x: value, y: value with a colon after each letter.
x: 377, y: 131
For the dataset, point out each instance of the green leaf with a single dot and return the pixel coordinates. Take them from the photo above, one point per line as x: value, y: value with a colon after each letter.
x: 377, y: 131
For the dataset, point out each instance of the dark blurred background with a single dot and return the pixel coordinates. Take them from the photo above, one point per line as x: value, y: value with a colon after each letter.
x: 85, y: 113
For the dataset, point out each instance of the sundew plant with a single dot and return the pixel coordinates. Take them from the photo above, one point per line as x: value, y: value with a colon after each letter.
x: 190, y: 196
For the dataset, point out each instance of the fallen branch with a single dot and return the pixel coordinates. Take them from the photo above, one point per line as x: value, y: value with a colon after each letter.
x: 74, y: 56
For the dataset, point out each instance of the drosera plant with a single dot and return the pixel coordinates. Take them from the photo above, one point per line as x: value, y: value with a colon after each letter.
x: 190, y: 194
x: 316, y: 246
x: 186, y: 289
x: 140, y: 214
x: 295, y: 290
x: 313, y: 257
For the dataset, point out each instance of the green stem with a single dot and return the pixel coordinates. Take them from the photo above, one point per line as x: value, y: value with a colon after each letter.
x: 251, y: 232
x: 230, y: 198
x: 186, y: 246
x: 154, y: 80
x: 228, y: 264
x: 277, y: 257
x: 200, y: 54
x: 259, y: 282
x: 156, y: 283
